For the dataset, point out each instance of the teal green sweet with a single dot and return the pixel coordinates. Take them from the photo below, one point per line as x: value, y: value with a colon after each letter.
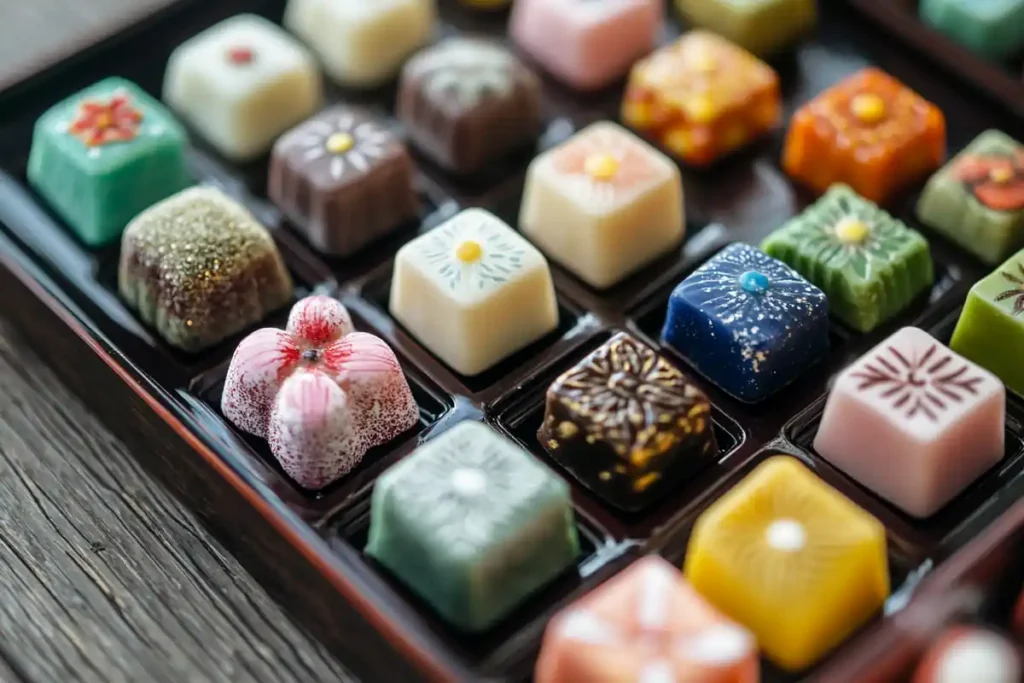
x: 993, y: 29
x: 105, y: 154
x: 990, y: 331
x: 473, y: 524
x: 869, y: 264
x: 977, y: 199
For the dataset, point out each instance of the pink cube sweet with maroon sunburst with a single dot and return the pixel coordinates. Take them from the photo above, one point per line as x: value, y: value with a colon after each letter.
x: 586, y: 44
x: 646, y: 624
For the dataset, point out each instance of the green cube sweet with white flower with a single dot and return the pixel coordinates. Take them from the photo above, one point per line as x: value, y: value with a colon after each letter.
x: 869, y: 263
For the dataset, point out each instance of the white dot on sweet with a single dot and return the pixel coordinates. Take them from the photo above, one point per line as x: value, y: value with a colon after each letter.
x: 467, y: 481
x: 978, y: 657
x: 786, y: 534
x: 719, y: 645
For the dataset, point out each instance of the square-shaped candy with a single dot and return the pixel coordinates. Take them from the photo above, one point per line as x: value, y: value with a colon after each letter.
x: 748, y: 322
x: 241, y: 83
x: 473, y: 291
x: 587, y: 45
x: 648, y: 625
x: 869, y: 264
x: 603, y: 204
x: 702, y: 97
x: 473, y: 524
x: 628, y: 424
x: 993, y: 29
x: 792, y: 559
x: 344, y: 179
x: 991, y: 327
x: 761, y: 26
x: 966, y: 654
x: 870, y: 132
x: 467, y: 101
x: 105, y: 154
x: 362, y: 44
x: 977, y: 200
x: 914, y: 422
x: 199, y: 268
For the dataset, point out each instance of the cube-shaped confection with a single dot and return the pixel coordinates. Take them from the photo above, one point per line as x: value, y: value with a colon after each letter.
x: 993, y: 29
x: 761, y: 26
x: 969, y: 654
x: 647, y: 624
x: 628, y: 424
x: 991, y: 326
x: 343, y: 179
x: 473, y: 524
x: 587, y: 45
x: 362, y: 44
x: 870, y: 132
x: 790, y: 558
x: 977, y: 200
x: 468, y: 101
x: 241, y: 84
x: 105, y: 154
x: 199, y: 268
x: 603, y: 204
x: 869, y: 264
x: 748, y: 322
x: 473, y: 291
x: 702, y: 97
x: 914, y: 422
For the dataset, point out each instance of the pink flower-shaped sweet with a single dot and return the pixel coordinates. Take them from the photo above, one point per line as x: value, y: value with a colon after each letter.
x: 320, y: 394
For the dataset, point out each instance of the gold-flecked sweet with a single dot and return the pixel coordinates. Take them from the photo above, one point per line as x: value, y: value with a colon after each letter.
x: 627, y: 423
x: 198, y: 267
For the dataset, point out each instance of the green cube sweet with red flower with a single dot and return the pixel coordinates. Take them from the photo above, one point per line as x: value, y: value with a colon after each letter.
x: 977, y: 199
x: 103, y: 155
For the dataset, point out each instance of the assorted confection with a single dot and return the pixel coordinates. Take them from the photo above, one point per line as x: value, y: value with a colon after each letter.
x: 471, y: 522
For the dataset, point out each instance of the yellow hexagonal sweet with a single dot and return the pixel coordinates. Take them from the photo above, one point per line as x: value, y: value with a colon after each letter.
x: 792, y: 559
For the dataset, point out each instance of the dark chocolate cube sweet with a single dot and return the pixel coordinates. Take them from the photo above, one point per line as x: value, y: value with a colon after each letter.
x: 748, y: 322
x: 467, y: 101
x: 628, y: 424
x: 343, y: 179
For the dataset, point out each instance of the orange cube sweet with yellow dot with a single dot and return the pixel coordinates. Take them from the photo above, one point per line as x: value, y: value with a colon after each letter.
x: 702, y: 97
x: 868, y: 131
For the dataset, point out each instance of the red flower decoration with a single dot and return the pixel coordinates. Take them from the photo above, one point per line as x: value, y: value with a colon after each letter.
x: 100, y: 123
x: 321, y: 394
x: 997, y: 181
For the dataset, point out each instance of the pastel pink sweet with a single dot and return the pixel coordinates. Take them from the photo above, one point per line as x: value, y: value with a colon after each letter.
x: 586, y: 43
x: 914, y: 422
x: 321, y: 394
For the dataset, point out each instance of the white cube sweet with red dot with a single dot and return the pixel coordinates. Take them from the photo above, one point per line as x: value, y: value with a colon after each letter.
x: 587, y: 44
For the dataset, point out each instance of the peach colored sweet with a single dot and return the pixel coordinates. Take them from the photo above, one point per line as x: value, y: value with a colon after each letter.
x: 586, y: 44
x: 646, y: 624
x: 914, y: 422
x: 967, y: 654
x: 321, y: 394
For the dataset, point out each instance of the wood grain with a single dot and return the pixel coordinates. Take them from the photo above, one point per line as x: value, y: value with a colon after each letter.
x: 103, y: 575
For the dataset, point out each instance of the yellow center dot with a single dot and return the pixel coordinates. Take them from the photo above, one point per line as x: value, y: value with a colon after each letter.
x: 1001, y: 175
x: 104, y: 121
x: 868, y: 108
x: 701, y: 62
x: 339, y: 143
x: 852, y: 231
x: 601, y: 166
x: 469, y: 251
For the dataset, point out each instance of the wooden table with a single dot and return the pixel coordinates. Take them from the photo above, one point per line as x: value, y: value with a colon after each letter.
x: 103, y: 576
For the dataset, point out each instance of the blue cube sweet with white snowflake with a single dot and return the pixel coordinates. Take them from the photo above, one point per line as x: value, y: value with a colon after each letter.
x: 747, y: 322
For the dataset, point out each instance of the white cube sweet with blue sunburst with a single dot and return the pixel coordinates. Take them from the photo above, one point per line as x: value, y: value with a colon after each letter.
x: 473, y: 292
x: 603, y: 204
x: 748, y: 322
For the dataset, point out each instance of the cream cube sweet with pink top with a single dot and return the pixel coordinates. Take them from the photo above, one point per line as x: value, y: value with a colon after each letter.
x: 914, y: 422
x: 588, y: 44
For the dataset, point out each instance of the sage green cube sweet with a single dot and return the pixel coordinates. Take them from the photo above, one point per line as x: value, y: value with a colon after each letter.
x: 760, y: 26
x: 990, y: 331
x: 103, y: 155
x: 977, y: 199
x: 869, y: 264
x: 993, y: 29
x: 473, y: 524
